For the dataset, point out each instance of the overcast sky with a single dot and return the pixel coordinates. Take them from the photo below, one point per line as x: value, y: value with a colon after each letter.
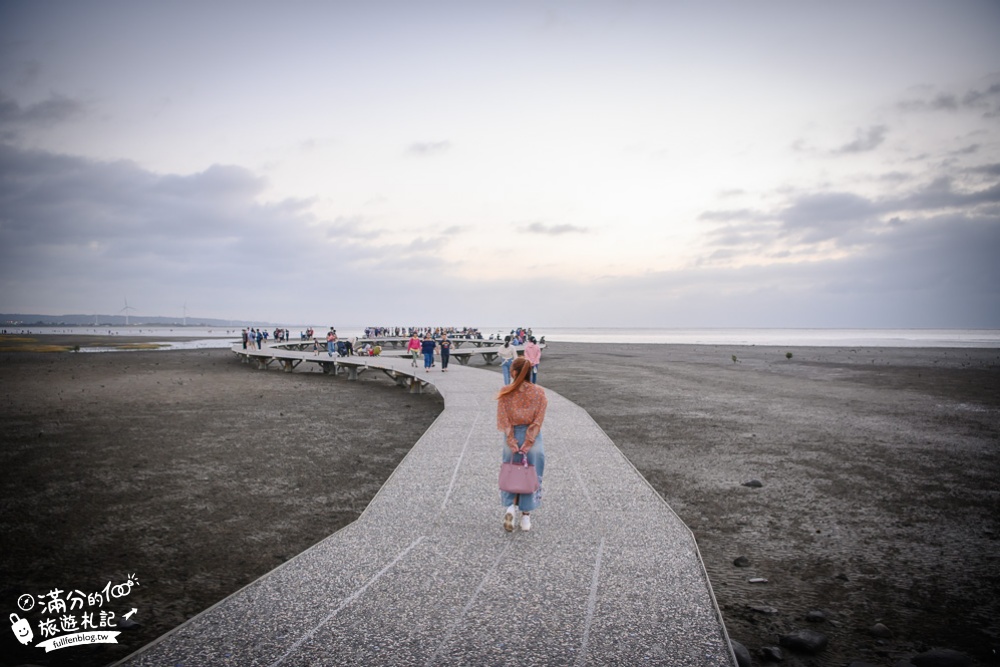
x: 772, y: 164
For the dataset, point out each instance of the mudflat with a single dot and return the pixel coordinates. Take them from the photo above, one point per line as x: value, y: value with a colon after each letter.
x: 188, y: 469
x: 878, y: 499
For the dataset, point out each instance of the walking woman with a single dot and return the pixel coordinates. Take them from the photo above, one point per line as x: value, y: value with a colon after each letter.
x: 427, y: 347
x: 414, y: 347
x: 533, y: 353
x: 520, y: 412
x: 507, y: 354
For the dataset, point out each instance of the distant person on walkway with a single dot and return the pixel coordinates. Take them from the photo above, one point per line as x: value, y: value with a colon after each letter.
x: 414, y: 347
x: 331, y: 342
x: 315, y: 347
x: 245, y: 339
x: 533, y: 353
x: 507, y: 354
x: 520, y: 412
x: 260, y: 338
x: 445, y: 352
x: 427, y: 347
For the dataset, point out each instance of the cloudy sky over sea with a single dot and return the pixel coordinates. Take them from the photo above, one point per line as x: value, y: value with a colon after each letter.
x: 776, y: 164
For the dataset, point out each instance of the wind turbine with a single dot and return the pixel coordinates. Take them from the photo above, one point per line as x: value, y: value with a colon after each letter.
x: 125, y: 310
x: 185, y: 314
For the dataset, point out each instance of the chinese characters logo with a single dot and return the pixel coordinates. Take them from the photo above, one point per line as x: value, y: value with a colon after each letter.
x: 72, y: 618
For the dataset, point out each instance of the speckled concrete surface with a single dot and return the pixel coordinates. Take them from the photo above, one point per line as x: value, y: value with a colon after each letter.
x: 608, y: 575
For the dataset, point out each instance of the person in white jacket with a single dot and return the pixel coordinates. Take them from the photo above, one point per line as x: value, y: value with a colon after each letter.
x: 507, y: 354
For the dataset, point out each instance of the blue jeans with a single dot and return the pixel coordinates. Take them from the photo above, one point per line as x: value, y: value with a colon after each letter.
x: 331, y: 347
x: 536, y: 457
x: 505, y: 367
x: 428, y: 359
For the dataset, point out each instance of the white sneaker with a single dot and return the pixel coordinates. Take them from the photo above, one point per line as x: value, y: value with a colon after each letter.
x: 508, y: 519
x: 525, y: 522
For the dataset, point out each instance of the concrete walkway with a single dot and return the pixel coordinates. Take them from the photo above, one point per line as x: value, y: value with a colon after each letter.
x: 608, y: 575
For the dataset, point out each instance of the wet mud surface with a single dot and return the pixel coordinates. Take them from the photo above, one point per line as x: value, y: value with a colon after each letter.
x: 879, y: 499
x: 188, y: 469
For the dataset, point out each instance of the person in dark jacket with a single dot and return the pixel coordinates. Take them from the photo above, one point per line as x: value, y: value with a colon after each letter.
x: 445, y: 352
x: 427, y: 347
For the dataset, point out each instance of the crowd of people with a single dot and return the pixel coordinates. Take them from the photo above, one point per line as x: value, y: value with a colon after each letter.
x: 435, y: 332
x: 255, y: 338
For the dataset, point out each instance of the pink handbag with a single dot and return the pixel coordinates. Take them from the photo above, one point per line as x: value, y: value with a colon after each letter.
x: 518, y: 477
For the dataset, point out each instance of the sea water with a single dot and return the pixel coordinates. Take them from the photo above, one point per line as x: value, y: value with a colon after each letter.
x: 217, y: 337
x: 784, y: 337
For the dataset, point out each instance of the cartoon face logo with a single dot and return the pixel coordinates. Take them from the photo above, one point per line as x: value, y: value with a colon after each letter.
x: 21, y: 628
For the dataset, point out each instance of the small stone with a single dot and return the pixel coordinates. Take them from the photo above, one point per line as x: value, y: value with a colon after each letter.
x: 128, y: 624
x: 816, y: 616
x: 807, y: 641
x: 757, y: 580
x: 742, y: 654
x: 942, y: 657
x: 742, y: 561
x: 879, y: 630
x: 754, y: 483
x: 772, y: 653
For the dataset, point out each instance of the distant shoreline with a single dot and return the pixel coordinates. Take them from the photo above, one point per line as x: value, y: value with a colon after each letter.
x: 70, y: 340
x: 749, y: 337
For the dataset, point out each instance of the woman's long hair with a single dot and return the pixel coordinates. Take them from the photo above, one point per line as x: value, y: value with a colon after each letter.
x: 519, y: 370
x: 506, y: 341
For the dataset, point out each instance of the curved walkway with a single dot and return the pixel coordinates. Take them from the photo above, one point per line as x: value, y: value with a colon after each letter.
x: 608, y: 575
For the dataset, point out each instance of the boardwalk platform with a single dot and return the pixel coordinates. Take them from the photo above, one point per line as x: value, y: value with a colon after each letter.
x: 479, y: 349
x: 608, y: 575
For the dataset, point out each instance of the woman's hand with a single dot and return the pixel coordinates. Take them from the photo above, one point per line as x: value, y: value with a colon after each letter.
x: 526, y: 446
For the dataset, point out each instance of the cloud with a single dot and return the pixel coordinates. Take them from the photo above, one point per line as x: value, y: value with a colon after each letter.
x: 552, y: 230
x: 812, y: 226
x: 427, y: 149
x: 985, y: 100
x: 941, y: 194
x: 940, y: 102
x: 988, y: 169
x: 824, y: 216
x: 733, y: 214
x: 351, y: 228
x: 95, y: 228
x: 930, y: 272
x: 971, y: 149
x: 865, y: 140
x: 41, y: 115
x: 422, y: 245
x: 809, y: 219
